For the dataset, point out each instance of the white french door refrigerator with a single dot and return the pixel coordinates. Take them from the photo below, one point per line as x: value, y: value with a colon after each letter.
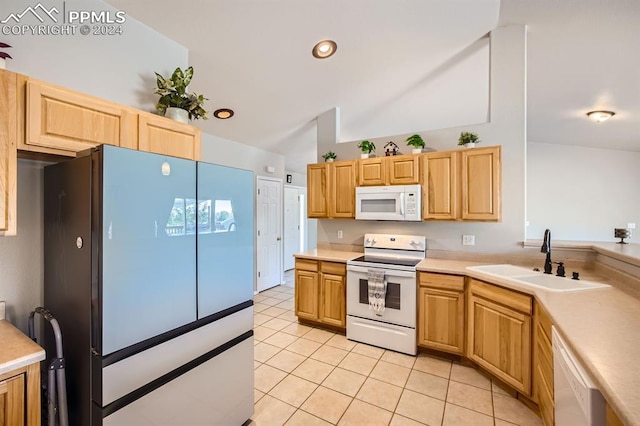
x: 149, y: 271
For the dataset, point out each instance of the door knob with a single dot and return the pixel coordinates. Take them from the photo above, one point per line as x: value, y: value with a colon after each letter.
x: 278, y: 239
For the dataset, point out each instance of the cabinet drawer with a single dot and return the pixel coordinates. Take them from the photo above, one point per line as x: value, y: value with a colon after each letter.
x: 307, y: 265
x: 333, y: 268
x: 514, y: 300
x: 443, y: 281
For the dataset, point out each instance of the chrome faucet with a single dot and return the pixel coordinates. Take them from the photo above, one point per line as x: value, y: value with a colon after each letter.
x: 546, y: 248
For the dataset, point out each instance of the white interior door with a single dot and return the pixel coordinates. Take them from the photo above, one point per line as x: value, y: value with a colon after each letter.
x: 291, y: 226
x: 269, y: 218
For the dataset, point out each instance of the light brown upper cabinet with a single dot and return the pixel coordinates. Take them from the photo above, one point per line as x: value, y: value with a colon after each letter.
x: 372, y: 171
x: 169, y: 137
x: 440, y: 185
x: 317, y: 190
x: 331, y: 189
x: 342, y: 196
x: 403, y: 169
x: 392, y: 170
x: 63, y: 122
x: 481, y: 184
x: 462, y: 185
x: 9, y: 136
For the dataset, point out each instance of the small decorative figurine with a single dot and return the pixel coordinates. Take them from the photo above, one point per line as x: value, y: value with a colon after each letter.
x: 391, y: 149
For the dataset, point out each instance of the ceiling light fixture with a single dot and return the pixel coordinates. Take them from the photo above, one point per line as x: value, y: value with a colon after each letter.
x: 223, y: 113
x: 600, y: 116
x: 324, y: 49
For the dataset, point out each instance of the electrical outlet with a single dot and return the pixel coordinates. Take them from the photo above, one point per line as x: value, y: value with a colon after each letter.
x: 340, y: 234
x: 631, y: 225
x: 468, y: 240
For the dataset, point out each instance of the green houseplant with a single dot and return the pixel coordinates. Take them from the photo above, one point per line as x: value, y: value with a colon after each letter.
x: 367, y: 148
x: 416, y: 142
x: 468, y: 139
x: 173, y: 94
x: 329, y: 156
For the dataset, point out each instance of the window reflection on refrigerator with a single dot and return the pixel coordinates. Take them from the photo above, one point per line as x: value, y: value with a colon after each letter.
x: 185, y: 216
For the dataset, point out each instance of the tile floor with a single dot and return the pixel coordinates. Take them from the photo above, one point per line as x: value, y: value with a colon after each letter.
x: 309, y: 376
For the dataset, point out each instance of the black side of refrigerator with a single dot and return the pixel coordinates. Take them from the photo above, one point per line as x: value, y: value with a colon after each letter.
x: 67, y: 275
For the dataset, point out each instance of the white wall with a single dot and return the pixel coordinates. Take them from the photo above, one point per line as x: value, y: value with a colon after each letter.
x: 119, y: 68
x: 116, y: 68
x: 225, y: 152
x: 506, y: 127
x: 581, y: 193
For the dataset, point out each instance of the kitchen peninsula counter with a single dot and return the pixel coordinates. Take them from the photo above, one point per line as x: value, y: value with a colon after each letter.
x: 601, y: 326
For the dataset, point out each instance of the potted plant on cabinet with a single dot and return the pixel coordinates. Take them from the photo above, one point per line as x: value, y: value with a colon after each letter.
x: 468, y: 139
x: 329, y: 156
x: 416, y: 142
x: 4, y: 55
x: 367, y: 148
x: 174, y: 100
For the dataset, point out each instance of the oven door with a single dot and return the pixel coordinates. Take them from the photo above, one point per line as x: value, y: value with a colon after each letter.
x: 400, y: 300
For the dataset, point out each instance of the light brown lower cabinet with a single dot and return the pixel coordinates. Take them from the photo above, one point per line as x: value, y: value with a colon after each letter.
x: 320, y: 292
x: 543, y: 391
x: 441, y: 312
x: 499, y: 333
x: 12, y: 401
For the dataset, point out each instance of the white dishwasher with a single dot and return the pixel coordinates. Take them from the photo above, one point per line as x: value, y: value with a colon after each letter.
x: 577, y: 400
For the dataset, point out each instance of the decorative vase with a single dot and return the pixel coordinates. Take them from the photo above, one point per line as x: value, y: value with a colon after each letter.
x: 364, y: 156
x: 3, y: 64
x: 416, y: 150
x: 177, y: 114
x: 329, y: 160
x: 470, y: 145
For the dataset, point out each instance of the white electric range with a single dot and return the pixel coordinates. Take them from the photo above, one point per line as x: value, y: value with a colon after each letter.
x: 394, y: 327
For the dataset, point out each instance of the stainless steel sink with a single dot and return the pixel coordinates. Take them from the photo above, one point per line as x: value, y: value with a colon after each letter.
x: 531, y: 278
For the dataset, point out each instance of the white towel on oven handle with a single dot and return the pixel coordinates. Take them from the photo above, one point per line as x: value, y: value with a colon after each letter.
x: 377, y: 284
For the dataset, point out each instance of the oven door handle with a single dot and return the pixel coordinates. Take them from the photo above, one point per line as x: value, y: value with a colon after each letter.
x: 387, y: 272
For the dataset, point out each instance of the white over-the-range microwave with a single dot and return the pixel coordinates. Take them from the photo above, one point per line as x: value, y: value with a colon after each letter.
x: 395, y: 202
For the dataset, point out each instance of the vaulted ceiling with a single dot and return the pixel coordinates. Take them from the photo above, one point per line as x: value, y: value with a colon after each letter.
x: 402, y: 66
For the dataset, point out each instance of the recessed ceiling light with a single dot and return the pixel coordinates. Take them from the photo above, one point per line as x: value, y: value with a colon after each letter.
x: 324, y: 49
x: 223, y: 113
x: 600, y: 116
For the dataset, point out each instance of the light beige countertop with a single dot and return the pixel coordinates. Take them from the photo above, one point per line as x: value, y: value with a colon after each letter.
x: 328, y: 255
x: 601, y: 326
x: 17, y: 350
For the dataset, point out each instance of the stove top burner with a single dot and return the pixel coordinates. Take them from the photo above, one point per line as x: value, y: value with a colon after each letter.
x: 388, y: 260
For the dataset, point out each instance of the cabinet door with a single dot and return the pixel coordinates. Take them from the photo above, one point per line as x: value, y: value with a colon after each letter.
x: 317, y: 193
x: 343, y: 189
x: 12, y: 403
x: 403, y: 169
x: 169, y: 137
x: 225, y: 237
x: 148, y: 246
x: 441, y: 319
x: 440, y: 185
x: 499, y: 339
x: 333, y: 292
x: 9, y: 131
x: 306, y: 300
x: 481, y: 184
x: 63, y: 122
x: 372, y: 171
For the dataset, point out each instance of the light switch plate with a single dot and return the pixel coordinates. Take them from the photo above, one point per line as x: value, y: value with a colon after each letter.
x: 468, y: 240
